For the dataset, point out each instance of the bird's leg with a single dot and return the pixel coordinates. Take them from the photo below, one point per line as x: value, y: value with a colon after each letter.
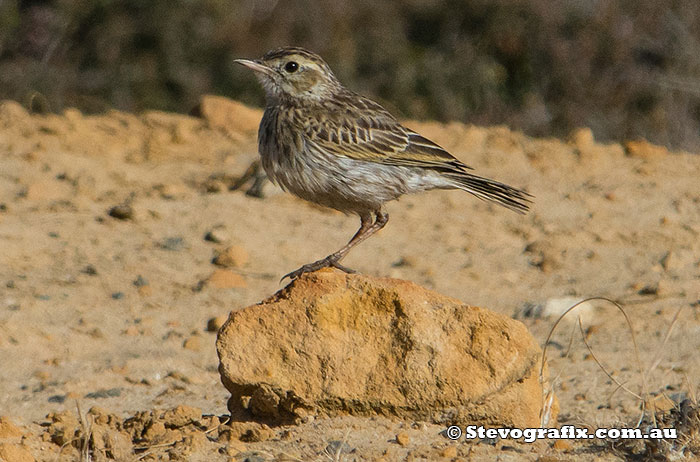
x: 256, y: 173
x: 367, y: 228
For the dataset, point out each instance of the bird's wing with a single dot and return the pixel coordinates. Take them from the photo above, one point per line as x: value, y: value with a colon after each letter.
x: 368, y: 132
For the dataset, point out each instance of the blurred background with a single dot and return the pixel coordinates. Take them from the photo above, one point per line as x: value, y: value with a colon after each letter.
x: 626, y: 68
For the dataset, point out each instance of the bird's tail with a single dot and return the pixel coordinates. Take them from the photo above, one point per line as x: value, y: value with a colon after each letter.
x: 490, y: 190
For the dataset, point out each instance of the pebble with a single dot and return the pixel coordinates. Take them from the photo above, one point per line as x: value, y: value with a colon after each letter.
x: 193, y: 343
x: 89, y: 270
x: 217, y: 236
x: 173, y: 244
x: 224, y: 279
x: 214, y: 324
x: 403, y: 439
x: 105, y: 393
x: 121, y: 212
x: 231, y: 257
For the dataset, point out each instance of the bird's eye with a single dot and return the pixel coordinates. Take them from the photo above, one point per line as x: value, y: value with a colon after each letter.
x: 291, y: 66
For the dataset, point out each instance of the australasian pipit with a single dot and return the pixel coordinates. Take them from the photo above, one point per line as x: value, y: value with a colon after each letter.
x: 328, y: 145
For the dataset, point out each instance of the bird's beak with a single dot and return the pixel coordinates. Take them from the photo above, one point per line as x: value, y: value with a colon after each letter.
x: 255, y: 65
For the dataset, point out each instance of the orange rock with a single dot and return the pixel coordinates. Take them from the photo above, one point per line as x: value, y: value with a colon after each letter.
x: 449, y: 452
x: 193, y: 343
x: 225, y: 279
x: 332, y: 343
x: 403, y: 439
x: 233, y: 256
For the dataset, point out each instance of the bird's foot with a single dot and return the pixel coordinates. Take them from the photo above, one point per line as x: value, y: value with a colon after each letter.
x: 331, y: 261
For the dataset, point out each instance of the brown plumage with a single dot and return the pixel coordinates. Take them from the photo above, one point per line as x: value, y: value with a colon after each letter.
x: 328, y: 145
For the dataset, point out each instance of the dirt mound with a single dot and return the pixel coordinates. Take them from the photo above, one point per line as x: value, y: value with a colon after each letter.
x: 331, y: 343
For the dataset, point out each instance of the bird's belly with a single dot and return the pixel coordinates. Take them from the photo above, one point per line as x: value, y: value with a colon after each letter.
x: 345, y: 184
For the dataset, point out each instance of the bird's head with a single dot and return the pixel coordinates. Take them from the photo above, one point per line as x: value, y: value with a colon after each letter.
x: 293, y: 73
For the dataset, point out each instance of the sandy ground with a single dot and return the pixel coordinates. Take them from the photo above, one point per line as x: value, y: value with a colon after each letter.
x: 113, y: 311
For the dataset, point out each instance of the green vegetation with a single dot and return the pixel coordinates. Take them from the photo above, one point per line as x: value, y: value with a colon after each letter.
x: 626, y: 68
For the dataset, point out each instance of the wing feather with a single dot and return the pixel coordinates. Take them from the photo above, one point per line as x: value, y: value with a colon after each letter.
x: 368, y: 132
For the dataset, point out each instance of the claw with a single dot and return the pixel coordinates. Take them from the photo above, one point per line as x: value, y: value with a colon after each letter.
x: 330, y: 261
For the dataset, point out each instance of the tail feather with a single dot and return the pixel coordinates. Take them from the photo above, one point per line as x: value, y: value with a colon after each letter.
x: 490, y: 190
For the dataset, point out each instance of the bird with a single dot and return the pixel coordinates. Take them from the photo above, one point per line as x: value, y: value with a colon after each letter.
x: 331, y: 146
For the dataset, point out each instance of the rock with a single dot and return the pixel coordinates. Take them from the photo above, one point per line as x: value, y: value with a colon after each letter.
x: 15, y: 453
x: 8, y: 429
x: 193, y: 343
x: 553, y: 308
x: 181, y: 416
x: 229, y: 115
x: 234, y: 256
x: 64, y: 427
x: 644, y: 149
x: 545, y: 255
x: 403, y: 439
x: 214, y: 324
x: 217, y: 236
x: 121, y: 212
x: 225, y: 279
x: 449, y: 452
x: 108, y: 440
x: 332, y: 343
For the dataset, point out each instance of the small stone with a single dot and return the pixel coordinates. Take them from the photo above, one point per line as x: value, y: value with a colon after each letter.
x: 562, y: 445
x: 403, y: 439
x: 214, y: 324
x: 131, y: 331
x: 174, y: 244
x: 193, y: 343
x: 217, y: 236
x: 155, y: 430
x: 89, y: 270
x: 105, y: 393
x: 231, y: 257
x: 258, y: 434
x: 63, y: 428
x: 121, y: 212
x: 649, y: 289
x: 405, y: 261
x: 182, y: 415
x: 449, y: 452
x: 117, y: 295
x: 225, y: 279
x: 140, y: 281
